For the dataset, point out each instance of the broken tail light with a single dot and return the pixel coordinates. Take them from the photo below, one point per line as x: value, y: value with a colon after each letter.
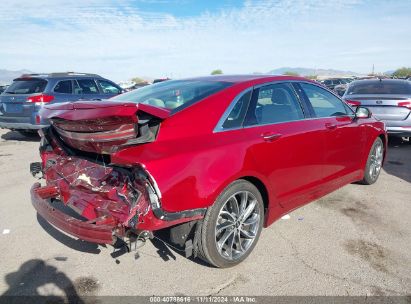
x: 97, y: 135
x: 121, y: 133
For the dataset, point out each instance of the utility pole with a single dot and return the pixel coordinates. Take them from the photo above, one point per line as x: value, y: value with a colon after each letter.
x: 372, y: 70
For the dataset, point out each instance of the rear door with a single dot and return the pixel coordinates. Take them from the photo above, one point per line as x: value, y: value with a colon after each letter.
x: 63, y: 91
x: 287, y: 148
x: 14, y: 101
x: 344, y: 138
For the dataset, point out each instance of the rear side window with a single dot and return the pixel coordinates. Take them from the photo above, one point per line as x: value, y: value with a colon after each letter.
x: 236, y: 116
x: 63, y: 87
x: 108, y: 87
x: 379, y: 87
x: 87, y: 86
x: 323, y: 102
x: 274, y: 104
x: 27, y: 86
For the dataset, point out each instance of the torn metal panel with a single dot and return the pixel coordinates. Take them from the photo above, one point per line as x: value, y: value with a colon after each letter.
x: 95, y: 190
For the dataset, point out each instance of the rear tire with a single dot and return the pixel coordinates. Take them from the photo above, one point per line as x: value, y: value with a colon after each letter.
x: 28, y: 133
x: 374, y: 163
x: 232, y: 225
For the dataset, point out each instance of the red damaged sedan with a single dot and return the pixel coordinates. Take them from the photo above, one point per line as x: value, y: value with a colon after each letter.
x: 214, y: 159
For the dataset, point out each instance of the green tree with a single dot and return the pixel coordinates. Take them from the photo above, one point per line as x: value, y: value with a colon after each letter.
x: 289, y: 73
x: 312, y: 77
x: 137, y: 80
x: 402, y: 72
x: 217, y: 72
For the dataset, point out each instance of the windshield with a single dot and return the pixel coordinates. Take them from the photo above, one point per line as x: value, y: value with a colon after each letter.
x: 174, y: 94
x: 379, y: 87
x: 27, y: 86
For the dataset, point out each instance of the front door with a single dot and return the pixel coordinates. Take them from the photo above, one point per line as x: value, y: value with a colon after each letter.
x: 288, y: 147
x: 344, y: 140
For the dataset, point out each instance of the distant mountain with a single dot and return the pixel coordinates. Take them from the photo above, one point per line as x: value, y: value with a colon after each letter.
x: 7, y: 76
x: 389, y: 72
x: 310, y: 71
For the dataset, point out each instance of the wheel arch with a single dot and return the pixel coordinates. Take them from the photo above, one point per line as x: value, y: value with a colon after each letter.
x: 384, y: 139
x: 261, y: 188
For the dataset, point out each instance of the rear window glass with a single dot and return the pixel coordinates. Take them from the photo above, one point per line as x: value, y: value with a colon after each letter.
x: 27, y: 86
x: 174, y: 94
x: 379, y: 87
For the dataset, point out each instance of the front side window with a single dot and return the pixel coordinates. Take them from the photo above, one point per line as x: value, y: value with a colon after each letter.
x: 174, y: 94
x: 274, y: 103
x: 108, y: 87
x: 324, y: 103
x: 87, y: 86
x: 63, y: 87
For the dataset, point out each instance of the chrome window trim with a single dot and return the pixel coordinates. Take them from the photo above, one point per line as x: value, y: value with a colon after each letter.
x: 219, y: 127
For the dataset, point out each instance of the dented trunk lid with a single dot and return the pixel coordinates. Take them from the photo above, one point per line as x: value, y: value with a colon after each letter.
x: 103, y: 127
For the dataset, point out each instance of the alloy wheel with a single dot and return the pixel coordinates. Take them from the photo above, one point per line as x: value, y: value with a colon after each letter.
x: 237, y: 225
x: 376, y: 160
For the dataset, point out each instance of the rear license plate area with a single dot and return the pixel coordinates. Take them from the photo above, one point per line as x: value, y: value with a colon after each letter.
x: 12, y: 108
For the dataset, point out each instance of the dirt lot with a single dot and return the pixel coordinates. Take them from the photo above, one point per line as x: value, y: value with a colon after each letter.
x: 355, y: 241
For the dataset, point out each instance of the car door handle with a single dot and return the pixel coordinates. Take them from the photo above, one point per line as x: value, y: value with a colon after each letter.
x: 270, y: 136
x: 330, y: 126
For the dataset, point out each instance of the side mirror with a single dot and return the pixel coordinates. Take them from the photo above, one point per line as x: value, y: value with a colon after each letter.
x: 362, y: 112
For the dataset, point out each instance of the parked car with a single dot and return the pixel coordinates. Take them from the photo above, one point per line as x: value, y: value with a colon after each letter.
x: 2, y: 88
x: 22, y: 101
x: 332, y: 82
x: 341, y: 88
x: 388, y: 99
x: 160, y: 80
x: 212, y: 158
x: 130, y: 85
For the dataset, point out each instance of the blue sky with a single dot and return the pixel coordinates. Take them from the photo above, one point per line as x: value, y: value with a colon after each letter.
x: 120, y: 39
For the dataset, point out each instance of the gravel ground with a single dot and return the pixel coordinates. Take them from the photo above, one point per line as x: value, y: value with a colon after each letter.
x: 355, y: 241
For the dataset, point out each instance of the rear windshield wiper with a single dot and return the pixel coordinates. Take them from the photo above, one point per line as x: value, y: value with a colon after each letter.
x: 10, y: 92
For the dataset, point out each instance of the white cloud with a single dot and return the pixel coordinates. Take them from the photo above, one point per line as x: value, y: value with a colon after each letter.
x: 118, y: 40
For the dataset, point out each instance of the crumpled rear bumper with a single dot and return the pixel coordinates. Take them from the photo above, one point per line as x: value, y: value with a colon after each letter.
x: 85, y: 230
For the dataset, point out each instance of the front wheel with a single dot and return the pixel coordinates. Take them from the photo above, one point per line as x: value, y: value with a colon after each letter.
x: 232, y: 226
x: 374, y: 163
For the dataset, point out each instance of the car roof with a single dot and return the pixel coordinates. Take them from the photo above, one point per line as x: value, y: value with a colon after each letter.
x: 377, y: 80
x: 248, y: 78
x: 59, y: 75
